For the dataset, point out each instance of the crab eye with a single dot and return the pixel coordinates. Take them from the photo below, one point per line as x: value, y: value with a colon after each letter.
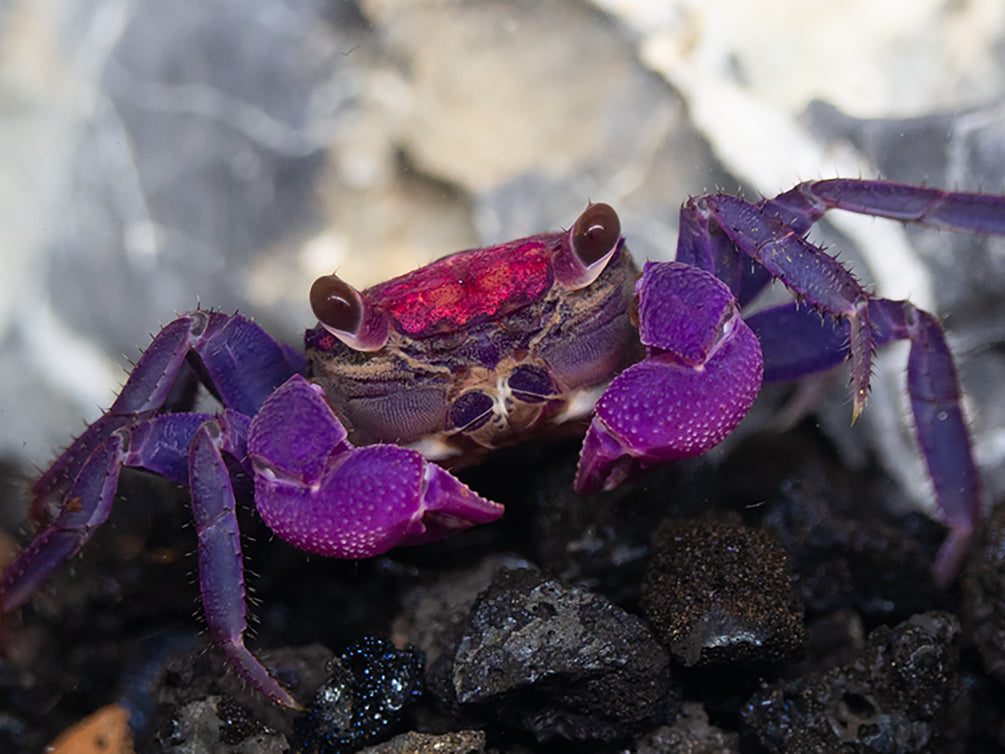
x: 336, y: 304
x: 346, y: 315
x: 596, y: 233
x: 471, y: 411
x: 587, y: 247
x: 530, y: 384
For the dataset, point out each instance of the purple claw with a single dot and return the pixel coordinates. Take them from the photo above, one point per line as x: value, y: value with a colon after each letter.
x: 320, y: 494
x: 701, y: 374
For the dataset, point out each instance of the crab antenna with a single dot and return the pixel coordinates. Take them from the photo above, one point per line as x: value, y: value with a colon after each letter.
x: 588, y: 246
x: 346, y: 314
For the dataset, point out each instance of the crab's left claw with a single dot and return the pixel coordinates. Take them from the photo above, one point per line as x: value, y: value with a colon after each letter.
x: 321, y: 494
x: 701, y: 373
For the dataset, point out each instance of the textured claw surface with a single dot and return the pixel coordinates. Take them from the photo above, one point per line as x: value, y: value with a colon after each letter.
x: 676, y: 403
x: 322, y: 495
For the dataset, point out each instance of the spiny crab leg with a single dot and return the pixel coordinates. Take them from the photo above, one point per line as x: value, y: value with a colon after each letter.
x: 951, y: 210
x: 820, y: 279
x: 797, y: 342
x: 241, y: 365
x: 221, y: 565
x: 772, y: 232
x: 187, y: 448
x: 701, y: 374
x: 700, y: 244
x: 159, y: 445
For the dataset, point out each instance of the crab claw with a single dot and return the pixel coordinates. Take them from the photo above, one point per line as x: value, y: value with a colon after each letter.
x: 321, y: 494
x: 701, y: 374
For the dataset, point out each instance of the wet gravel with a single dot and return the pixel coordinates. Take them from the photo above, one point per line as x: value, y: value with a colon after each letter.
x: 768, y: 602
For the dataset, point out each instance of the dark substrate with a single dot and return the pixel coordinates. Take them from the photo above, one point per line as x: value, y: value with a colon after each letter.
x: 766, y: 603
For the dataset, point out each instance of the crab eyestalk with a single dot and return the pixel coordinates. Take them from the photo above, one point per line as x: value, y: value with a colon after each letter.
x: 346, y: 314
x: 587, y: 247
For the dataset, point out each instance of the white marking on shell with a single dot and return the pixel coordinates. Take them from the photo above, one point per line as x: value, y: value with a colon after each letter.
x: 580, y: 404
x: 434, y: 448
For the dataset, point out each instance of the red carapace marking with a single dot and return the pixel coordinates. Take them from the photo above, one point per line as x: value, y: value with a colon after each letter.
x: 468, y: 287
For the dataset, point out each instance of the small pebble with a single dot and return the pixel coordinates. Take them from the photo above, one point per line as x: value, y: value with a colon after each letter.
x: 219, y: 724
x: 371, y: 685
x: 720, y: 593
x: 561, y: 662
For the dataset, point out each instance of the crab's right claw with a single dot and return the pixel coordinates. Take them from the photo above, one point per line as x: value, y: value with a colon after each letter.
x: 701, y: 373
x: 321, y: 494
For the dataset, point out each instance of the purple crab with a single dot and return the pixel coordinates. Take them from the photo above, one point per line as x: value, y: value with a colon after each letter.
x: 349, y: 448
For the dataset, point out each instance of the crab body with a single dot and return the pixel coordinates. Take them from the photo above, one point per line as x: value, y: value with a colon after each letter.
x: 484, y: 348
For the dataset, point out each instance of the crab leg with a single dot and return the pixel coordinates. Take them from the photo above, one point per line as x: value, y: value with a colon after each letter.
x: 814, y: 275
x: 239, y: 361
x: 187, y: 448
x: 806, y: 203
x: 799, y: 208
x: 159, y: 445
x: 221, y: 565
x: 700, y: 376
x: 772, y: 232
x: 797, y: 342
x: 241, y: 365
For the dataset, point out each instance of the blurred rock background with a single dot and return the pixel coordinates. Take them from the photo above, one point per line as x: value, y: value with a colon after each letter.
x: 158, y: 156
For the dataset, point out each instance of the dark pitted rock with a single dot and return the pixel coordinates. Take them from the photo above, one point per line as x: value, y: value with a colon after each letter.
x: 561, y: 662
x: 371, y: 684
x: 896, y: 697
x: 458, y: 742
x: 983, y: 608
x: 691, y: 733
x: 717, y: 592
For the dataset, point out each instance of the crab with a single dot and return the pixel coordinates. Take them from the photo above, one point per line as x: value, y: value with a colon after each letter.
x: 349, y: 446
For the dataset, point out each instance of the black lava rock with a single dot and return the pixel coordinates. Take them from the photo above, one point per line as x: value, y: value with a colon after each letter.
x: 362, y: 702
x: 983, y: 608
x: 720, y: 593
x: 896, y: 697
x: 560, y: 662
